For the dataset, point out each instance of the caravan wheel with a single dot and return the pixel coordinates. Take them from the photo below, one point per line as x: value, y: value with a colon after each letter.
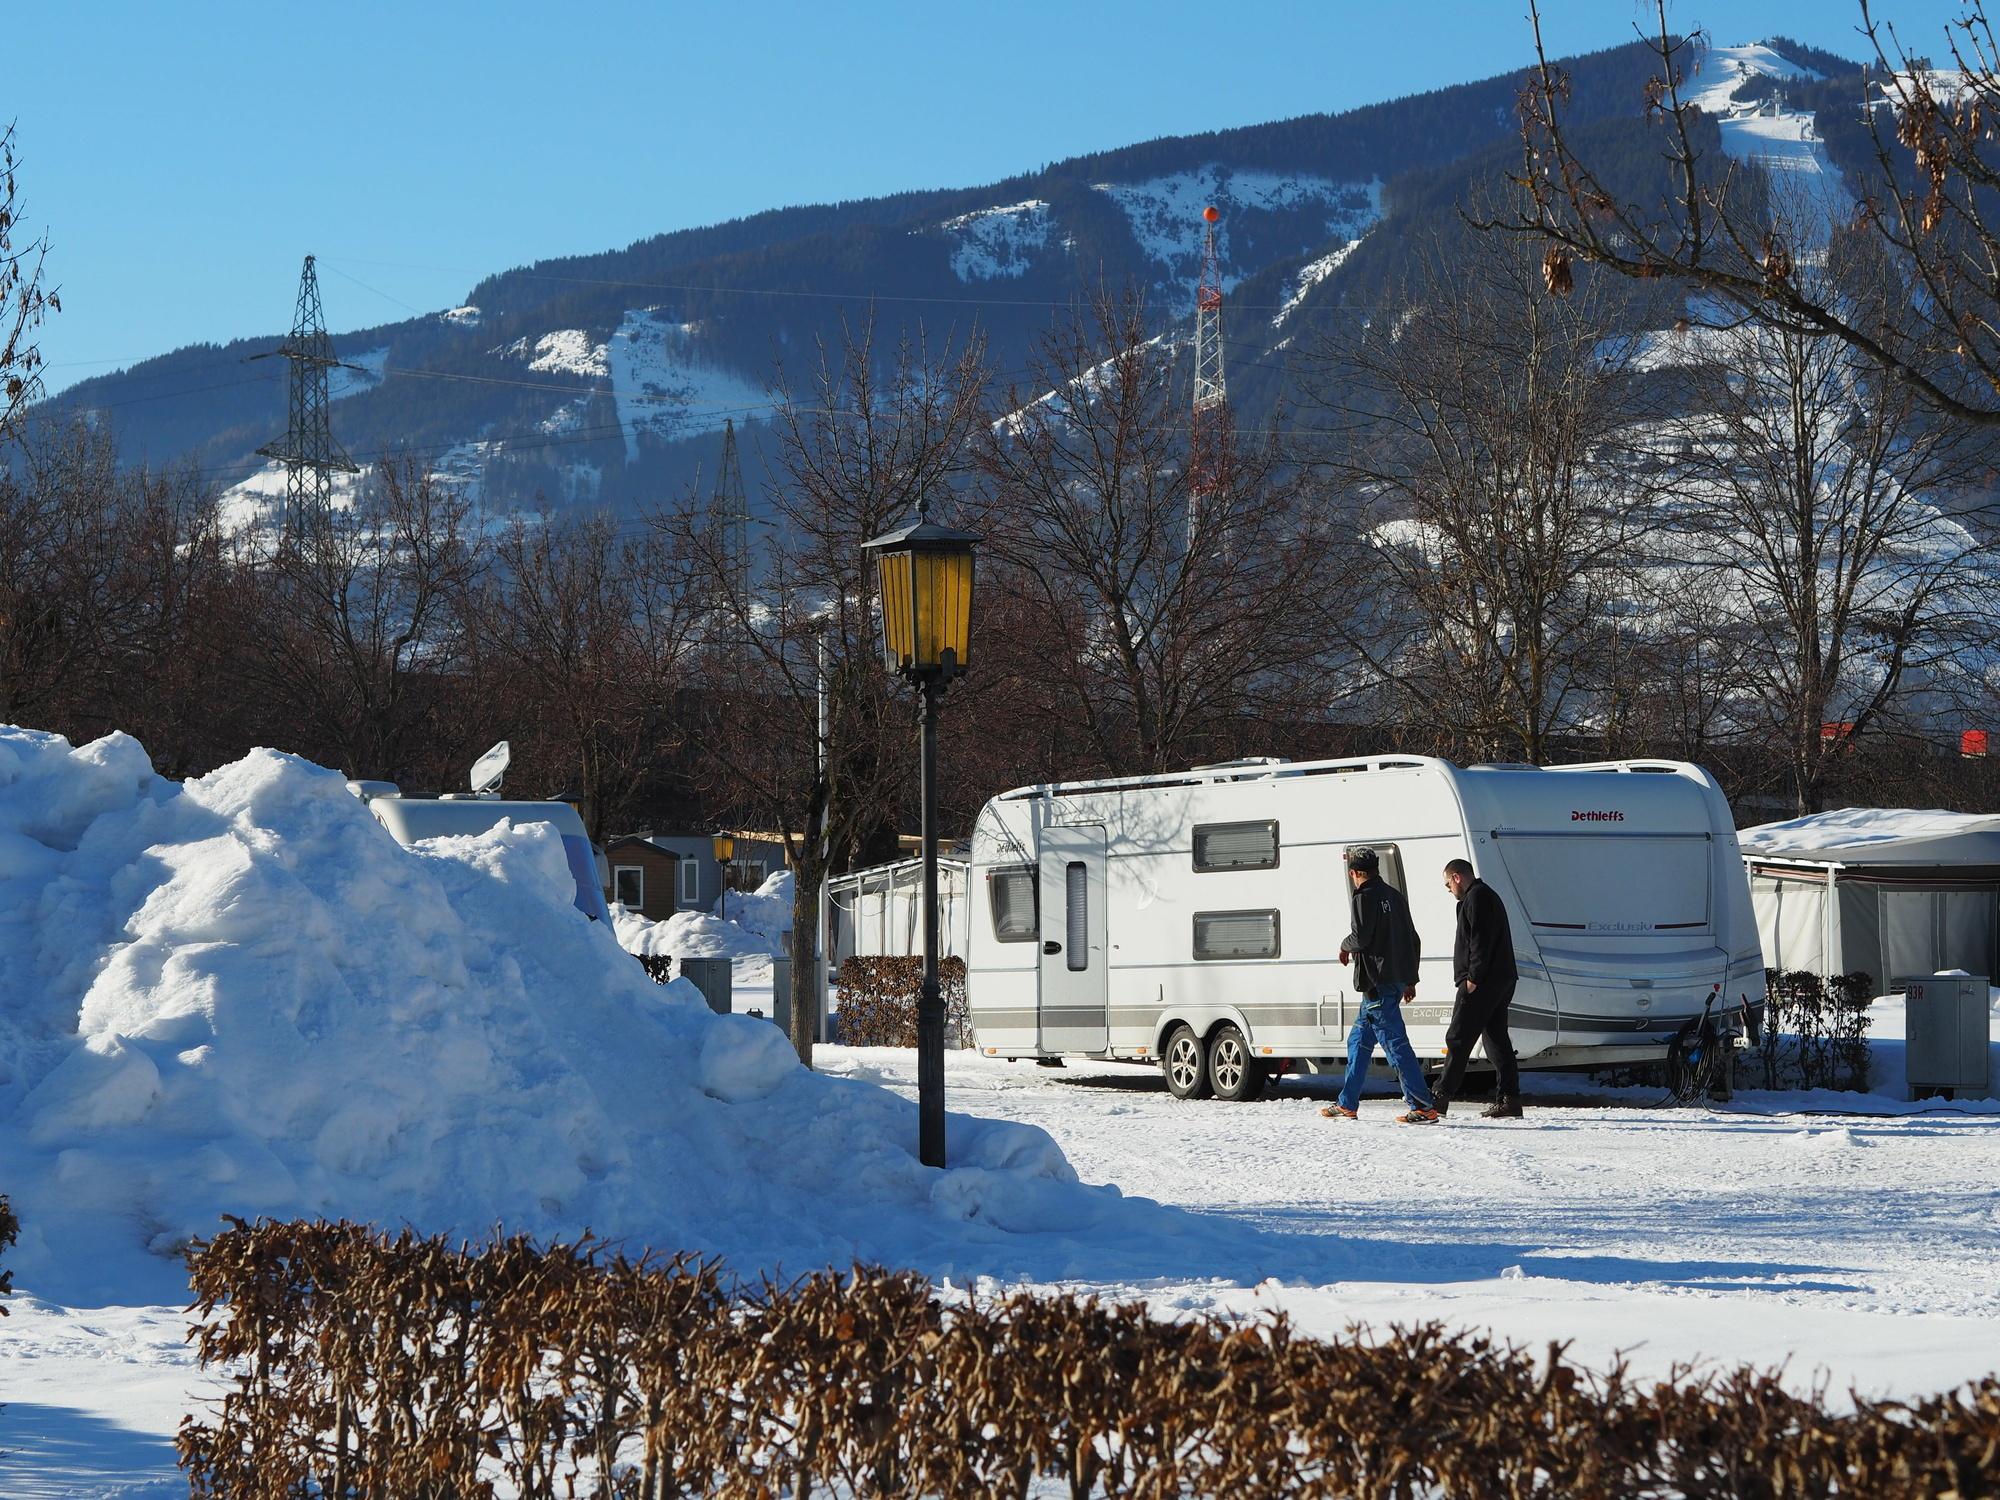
x: 1183, y: 1061
x: 1233, y: 1073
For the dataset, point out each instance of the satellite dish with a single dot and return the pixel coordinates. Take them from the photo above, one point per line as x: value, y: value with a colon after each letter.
x: 490, y: 767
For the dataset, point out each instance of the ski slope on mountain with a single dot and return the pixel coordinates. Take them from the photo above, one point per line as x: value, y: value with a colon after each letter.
x: 1782, y: 141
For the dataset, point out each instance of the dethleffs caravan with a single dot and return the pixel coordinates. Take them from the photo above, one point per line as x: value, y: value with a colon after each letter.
x: 1195, y: 918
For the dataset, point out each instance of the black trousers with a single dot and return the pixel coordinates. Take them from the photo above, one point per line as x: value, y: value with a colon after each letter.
x: 1481, y: 1016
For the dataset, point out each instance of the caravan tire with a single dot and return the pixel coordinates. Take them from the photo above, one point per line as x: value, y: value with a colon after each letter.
x: 1233, y: 1072
x: 1185, y: 1062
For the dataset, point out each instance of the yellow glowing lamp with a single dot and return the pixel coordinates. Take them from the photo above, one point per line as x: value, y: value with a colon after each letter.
x: 725, y: 848
x: 925, y: 574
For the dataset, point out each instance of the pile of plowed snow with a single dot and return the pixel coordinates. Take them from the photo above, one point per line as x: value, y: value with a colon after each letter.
x: 758, y: 925
x: 239, y: 995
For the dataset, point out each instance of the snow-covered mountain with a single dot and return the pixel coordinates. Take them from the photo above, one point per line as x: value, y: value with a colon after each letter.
x: 608, y: 377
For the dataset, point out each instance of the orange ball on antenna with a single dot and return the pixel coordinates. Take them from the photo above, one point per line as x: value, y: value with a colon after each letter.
x: 1211, y: 213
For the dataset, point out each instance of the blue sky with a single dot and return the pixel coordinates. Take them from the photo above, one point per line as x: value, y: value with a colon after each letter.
x: 184, y: 158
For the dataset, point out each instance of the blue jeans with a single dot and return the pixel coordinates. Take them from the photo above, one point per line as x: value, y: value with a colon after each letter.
x: 1382, y: 1016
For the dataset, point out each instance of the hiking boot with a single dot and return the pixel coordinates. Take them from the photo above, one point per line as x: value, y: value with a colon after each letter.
x: 1506, y: 1107
x: 1339, y: 1112
x: 1418, y: 1115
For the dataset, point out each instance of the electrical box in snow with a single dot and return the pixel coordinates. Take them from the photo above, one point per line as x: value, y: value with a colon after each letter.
x: 715, y: 978
x: 1948, y: 1026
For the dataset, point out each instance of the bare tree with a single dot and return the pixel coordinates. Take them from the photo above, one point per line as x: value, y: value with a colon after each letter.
x: 591, y: 622
x: 1838, y: 528
x: 355, y: 622
x: 169, y: 664
x: 24, y: 300
x: 1492, y: 453
x: 58, y: 529
x: 805, y: 733
x: 1161, y: 614
x: 1929, y: 202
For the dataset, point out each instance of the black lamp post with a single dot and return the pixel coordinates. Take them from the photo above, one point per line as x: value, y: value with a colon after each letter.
x: 925, y: 574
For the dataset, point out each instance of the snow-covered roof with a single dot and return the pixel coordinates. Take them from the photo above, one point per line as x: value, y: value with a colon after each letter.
x: 1879, y: 836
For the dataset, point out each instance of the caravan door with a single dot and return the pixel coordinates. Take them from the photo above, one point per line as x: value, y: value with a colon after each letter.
x: 1075, y: 988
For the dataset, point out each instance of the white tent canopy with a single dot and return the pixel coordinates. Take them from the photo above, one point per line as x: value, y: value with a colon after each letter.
x: 1892, y: 893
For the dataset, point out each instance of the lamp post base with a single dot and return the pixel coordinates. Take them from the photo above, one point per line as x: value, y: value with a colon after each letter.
x: 930, y: 998
x: 930, y: 1073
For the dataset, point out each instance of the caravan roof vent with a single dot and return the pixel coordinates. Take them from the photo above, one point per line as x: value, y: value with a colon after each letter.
x: 1247, y: 763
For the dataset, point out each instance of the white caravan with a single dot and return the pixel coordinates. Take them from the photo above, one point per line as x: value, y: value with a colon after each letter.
x: 1195, y: 918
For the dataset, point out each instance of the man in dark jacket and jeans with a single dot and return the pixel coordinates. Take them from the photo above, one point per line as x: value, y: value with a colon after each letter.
x: 1384, y: 948
x: 1482, y: 963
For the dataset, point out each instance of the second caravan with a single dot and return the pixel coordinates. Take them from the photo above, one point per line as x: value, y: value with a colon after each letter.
x: 1195, y: 919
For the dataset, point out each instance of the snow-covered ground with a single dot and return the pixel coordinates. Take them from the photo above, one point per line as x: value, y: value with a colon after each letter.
x: 1854, y: 1238
x: 238, y: 995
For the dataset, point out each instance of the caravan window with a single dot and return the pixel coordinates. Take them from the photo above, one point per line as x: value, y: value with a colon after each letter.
x: 1236, y: 934
x: 1076, y: 892
x: 1610, y: 883
x: 1012, y: 892
x: 1236, y: 846
x: 1391, y: 866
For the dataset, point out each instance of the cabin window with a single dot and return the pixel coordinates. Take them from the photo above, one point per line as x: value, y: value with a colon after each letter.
x: 1236, y: 934
x: 1012, y: 892
x: 628, y: 886
x: 1076, y: 901
x: 1236, y: 846
x: 690, y: 880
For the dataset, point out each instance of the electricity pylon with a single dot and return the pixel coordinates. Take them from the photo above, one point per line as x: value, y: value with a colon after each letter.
x: 1210, y: 429
x: 307, y: 450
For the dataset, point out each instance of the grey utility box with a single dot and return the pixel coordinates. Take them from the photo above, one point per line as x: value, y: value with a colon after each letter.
x: 714, y: 977
x: 1948, y: 1025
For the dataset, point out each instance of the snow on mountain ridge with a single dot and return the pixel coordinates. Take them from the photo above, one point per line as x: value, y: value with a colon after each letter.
x: 664, y: 387
x: 1729, y: 68
x: 1165, y: 215
x: 1311, y: 275
x: 357, y: 373
x: 567, y: 351
x: 994, y: 242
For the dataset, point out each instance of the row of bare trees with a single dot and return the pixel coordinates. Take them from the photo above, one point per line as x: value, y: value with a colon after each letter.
x: 1727, y: 540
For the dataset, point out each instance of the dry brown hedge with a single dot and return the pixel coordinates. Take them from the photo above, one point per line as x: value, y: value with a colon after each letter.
x: 367, y: 1365
x: 878, y: 1000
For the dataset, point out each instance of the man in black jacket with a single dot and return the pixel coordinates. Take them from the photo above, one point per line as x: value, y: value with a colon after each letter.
x: 1482, y: 963
x: 1384, y: 948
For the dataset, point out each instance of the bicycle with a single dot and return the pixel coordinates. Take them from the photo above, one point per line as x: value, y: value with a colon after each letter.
x: 1700, y: 1057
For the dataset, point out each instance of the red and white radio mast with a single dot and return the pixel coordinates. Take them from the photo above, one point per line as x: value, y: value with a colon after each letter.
x: 1209, y: 434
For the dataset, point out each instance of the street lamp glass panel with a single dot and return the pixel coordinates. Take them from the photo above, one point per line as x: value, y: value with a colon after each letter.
x: 725, y: 848
x: 899, y: 615
x: 944, y: 607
